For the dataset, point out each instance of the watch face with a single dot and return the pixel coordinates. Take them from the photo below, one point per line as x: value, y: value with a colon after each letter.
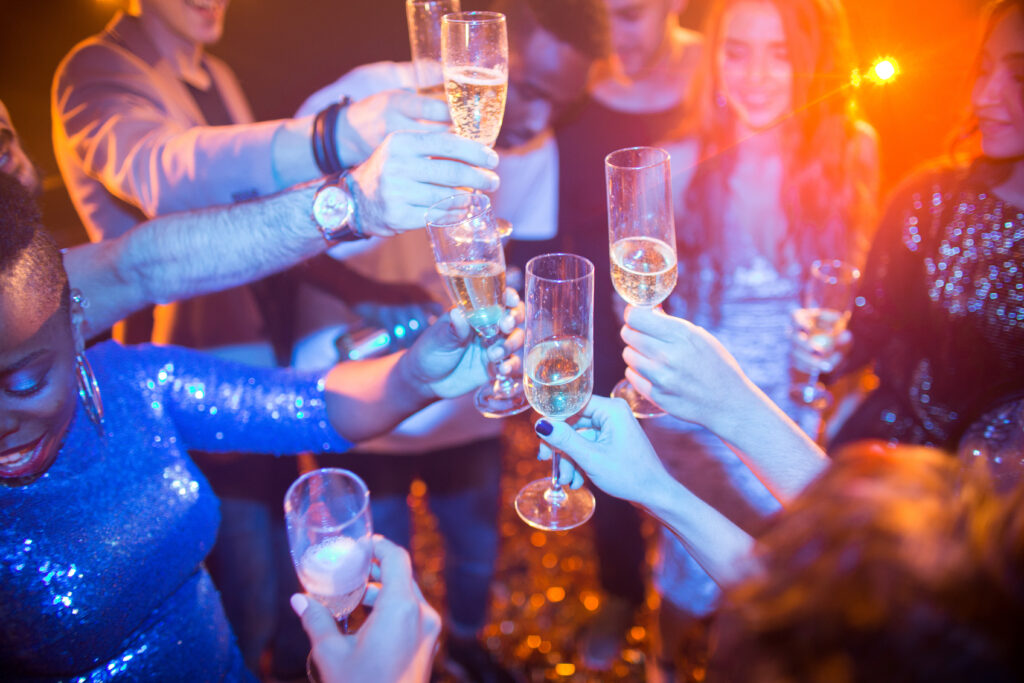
x: 332, y: 208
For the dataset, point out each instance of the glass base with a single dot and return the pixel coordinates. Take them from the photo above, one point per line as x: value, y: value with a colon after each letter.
x: 501, y: 404
x: 814, y: 395
x: 638, y: 403
x: 552, y: 509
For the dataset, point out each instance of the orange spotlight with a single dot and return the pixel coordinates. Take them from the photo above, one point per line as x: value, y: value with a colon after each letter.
x: 884, y: 70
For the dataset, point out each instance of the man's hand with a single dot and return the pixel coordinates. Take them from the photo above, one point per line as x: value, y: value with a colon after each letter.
x: 411, y: 171
x: 448, y: 359
x: 398, y: 640
x: 364, y: 124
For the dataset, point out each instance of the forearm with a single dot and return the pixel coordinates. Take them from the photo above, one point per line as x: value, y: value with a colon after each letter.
x: 182, y: 255
x: 370, y: 398
x: 777, y: 451
x: 719, y: 546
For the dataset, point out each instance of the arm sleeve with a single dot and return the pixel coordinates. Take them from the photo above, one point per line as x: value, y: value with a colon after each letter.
x: 110, y: 117
x: 217, y: 405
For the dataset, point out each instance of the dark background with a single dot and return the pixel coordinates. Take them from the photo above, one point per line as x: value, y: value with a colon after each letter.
x: 283, y: 50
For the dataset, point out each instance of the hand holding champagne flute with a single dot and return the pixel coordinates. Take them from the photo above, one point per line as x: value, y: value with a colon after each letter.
x: 327, y: 512
x: 559, y: 374
x: 467, y: 249
x: 642, y: 239
x: 826, y: 305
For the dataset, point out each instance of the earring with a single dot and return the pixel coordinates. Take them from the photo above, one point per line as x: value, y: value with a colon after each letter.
x: 88, y: 389
x: 720, y: 100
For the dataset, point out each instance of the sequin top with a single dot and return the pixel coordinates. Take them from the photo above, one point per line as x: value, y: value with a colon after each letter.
x: 102, y: 576
x: 941, y: 310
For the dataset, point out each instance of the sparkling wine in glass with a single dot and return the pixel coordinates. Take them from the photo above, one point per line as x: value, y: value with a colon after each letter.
x: 474, y: 58
x: 559, y: 374
x: 642, y: 239
x: 474, y: 54
x: 467, y: 250
x: 327, y: 512
x: 826, y: 304
x: 424, y: 19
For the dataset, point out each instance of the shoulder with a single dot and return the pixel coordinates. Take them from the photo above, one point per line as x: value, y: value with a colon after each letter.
x: 97, y: 60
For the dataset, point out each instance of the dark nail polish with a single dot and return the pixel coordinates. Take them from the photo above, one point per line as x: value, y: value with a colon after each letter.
x: 544, y: 428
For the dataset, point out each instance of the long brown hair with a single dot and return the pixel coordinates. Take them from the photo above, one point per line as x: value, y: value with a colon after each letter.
x: 827, y: 197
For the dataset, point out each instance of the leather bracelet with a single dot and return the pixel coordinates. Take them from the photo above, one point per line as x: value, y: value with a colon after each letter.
x: 325, y: 137
x: 319, y: 140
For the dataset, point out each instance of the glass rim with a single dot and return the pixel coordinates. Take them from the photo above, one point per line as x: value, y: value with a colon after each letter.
x: 332, y: 470
x: 473, y: 197
x: 588, y: 267
x: 663, y: 155
x: 414, y: 3
x: 473, y: 17
x: 844, y: 270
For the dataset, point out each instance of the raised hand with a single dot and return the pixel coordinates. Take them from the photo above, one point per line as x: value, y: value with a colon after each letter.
x: 364, y: 124
x: 684, y: 369
x: 449, y: 358
x: 410, y: 171
x: 398, y: 640
x: 609, y: 445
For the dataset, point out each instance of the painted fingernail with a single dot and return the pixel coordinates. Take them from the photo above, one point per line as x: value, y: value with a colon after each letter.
x: 544, y: 428
x: 492, y: 158
x: 299, y: 603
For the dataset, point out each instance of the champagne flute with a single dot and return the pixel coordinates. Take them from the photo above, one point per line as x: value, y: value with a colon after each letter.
x: 424, y: 19
x: 559, y: 374
x: 642, y: 239
x: 474, y: 58
x: 470, y: 258
x: 327, y: 512
x: 826, y: 303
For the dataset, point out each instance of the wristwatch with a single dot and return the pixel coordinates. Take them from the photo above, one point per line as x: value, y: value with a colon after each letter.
x: 334, y: 210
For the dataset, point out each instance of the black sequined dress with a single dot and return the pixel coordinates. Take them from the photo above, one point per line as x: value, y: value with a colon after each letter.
x: 941, y: 310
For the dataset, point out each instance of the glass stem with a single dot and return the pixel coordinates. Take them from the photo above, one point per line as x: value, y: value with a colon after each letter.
x: 555, y: 494
x: 503, y: 385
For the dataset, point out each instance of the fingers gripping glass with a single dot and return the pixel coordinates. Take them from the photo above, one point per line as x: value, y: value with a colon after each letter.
x: 469, y: 256
x: 559, y: 374
x: 642, y: 239
x: 330, y: 535
x: 825, y: 306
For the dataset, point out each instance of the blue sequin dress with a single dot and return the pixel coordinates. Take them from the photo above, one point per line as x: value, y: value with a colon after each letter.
x: 941, y: 310
x: 102, y: 576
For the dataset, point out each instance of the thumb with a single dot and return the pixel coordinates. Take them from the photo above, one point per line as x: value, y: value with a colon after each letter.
x: 317, y: 620
x: 563, y: 437
x: 417, y: 106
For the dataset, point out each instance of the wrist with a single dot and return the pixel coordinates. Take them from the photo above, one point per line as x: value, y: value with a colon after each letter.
x: 346, y: 139
x: 412, y: 381
x: 324, y: 137
x: 335, y: 210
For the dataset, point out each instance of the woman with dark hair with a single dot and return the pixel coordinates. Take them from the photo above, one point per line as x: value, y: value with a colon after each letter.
x: 104, y: 518
x: 772, y: 169
x: 941, y: 308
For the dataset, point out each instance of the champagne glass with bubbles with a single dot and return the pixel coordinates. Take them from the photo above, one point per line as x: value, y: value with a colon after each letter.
x: 559, y: 374
x: 474, y: 58
x: 826, y: 305
x: 424, y: 19
x: 467, y: 249
x: 327, y: 512
x: 642, y: 239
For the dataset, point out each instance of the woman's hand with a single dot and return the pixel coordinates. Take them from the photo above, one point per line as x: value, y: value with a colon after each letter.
x: 610, y: 446
x: 398, y: 640
x: 684, y: 369
x: 449, y: 359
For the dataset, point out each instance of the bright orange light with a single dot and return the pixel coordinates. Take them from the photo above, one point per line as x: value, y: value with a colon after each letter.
x: 883, y: 70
